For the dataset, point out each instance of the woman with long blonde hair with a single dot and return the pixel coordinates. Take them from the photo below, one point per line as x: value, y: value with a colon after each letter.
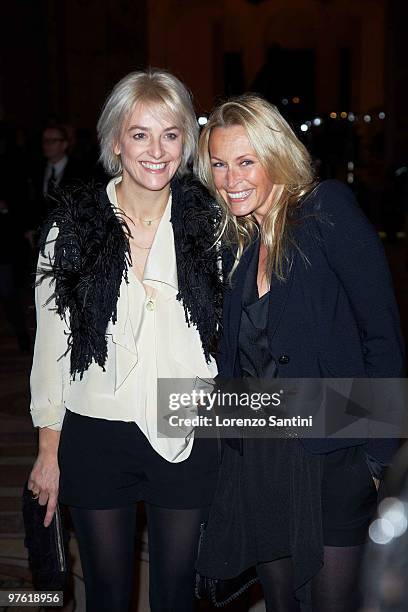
x: 309, y: 296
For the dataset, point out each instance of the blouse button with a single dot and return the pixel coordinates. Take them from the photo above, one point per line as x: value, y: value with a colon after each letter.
x: 284, y: 359
x: 150, y: 305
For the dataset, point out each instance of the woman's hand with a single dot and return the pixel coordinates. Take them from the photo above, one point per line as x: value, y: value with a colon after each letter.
x: 44, y: 478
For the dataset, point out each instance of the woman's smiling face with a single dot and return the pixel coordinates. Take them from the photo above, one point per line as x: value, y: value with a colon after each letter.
x: 238, y: 175
x: 150, y: 147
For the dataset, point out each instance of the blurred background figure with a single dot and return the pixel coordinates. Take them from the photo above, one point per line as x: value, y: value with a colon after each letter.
x: 386, y: 563
x: 56, y: 169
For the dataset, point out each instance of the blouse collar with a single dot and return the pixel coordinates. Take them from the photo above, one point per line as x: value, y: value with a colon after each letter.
x: 161, y: 267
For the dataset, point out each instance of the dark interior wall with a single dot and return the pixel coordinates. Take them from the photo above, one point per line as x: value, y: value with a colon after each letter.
x: 103, y: 42
x: 397, y: 82
x: 61, y: 57
x: 23, y: 61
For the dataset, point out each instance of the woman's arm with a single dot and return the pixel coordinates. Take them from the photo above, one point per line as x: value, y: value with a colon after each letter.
x: 46, y: 383
x: 47, y: 373
x: 355, y: 254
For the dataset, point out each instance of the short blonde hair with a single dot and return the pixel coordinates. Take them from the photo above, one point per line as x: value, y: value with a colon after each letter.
x: 285, y: 160
x: 153, y: 87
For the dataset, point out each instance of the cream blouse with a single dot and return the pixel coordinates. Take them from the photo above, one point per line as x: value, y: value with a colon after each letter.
x: 147, y: 342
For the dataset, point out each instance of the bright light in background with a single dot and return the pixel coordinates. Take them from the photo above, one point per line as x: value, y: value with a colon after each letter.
x: 317, y: 121
x: 202, y: 120
x: 333, y: 115
x: 304, y: 127
x: 381, y: 115
x: 351, y: 117
x: 401, y: 170
x: 285, y: 101
x: 350, y: 178
x: 381, y: 531
x: 394, y: 511
x: 367, y: 118
x: 296, y: 100
x: 343, y: 115
x: 392, y: 521
x: 350, y: 165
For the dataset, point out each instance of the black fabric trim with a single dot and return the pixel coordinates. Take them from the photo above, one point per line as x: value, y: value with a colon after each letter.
x: 195, y: 220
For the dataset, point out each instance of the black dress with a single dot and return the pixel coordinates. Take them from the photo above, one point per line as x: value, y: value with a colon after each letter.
x: 271, y: 499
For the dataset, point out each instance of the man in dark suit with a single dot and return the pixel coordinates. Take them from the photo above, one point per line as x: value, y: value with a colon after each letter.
x: 56, y: 170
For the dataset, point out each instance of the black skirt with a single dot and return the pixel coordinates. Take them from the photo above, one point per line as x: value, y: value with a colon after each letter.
x: 108, y: 464
x: 278, y: 500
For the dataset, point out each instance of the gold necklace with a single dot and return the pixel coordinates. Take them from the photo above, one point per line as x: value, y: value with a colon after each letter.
x: 148, y: 221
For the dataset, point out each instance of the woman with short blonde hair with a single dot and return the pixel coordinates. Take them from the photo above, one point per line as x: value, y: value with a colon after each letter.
x: 127, y: 279
x: 156, y: 88
x: 309, y: 296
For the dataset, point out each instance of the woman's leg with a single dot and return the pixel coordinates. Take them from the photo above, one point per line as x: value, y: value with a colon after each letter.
x: 173, y: 544
x: 277, y: 583
x: 106, y: 541
x: 336, y: 587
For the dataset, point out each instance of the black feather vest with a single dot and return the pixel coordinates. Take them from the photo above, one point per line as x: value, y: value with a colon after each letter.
x: 92, y: 255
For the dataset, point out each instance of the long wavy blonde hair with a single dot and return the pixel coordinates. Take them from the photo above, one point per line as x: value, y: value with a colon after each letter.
x: 286, y: 162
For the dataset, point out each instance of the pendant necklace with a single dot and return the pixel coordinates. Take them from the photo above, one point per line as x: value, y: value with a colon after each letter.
x: 148, y: 221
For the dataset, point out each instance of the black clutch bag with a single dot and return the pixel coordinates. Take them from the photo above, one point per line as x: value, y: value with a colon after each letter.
x: 219, y: 592
x: 47, y: 546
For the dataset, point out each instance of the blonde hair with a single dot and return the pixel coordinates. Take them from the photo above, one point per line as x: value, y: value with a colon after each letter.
x: 286, y: 162
x: 153, y: 87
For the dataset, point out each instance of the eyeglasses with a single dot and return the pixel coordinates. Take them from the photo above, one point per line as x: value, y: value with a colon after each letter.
x: 52, y: 140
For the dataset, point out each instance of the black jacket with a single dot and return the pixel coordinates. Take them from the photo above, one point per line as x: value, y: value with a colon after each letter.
x: 335, y: 315
x: 40, y: 206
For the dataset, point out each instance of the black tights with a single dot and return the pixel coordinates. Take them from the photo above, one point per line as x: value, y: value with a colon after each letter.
x: 106, y: 541
x: 334, y: 588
